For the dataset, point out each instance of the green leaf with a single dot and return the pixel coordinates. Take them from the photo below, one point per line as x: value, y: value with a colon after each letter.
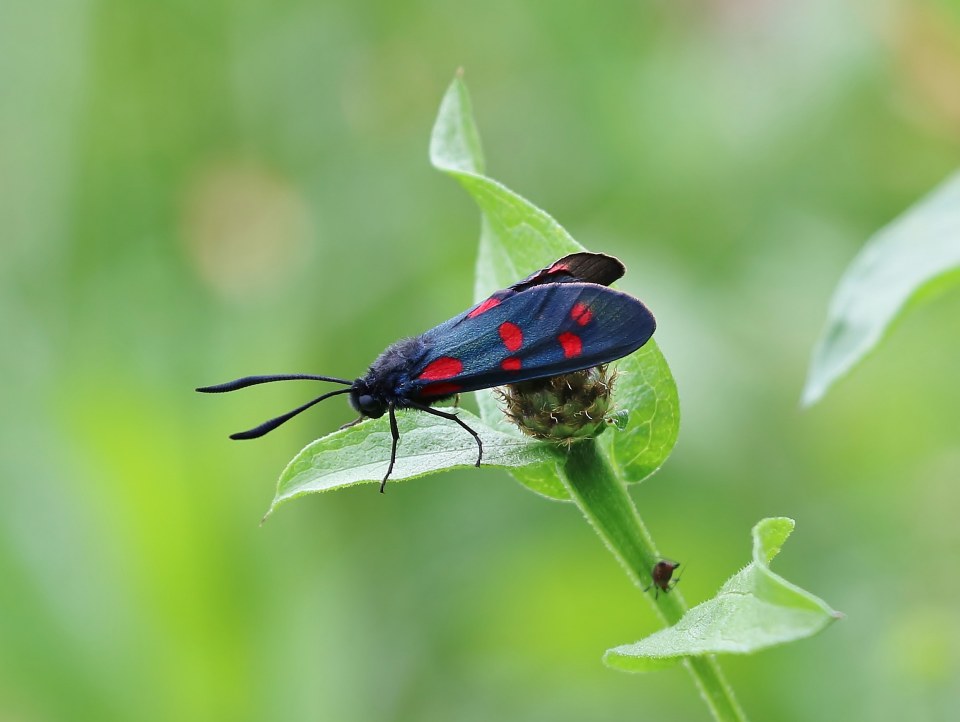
x: 647, y: 392
x: 755, y: 609
x: 360, y: 454
x: 899, y: 264
x: 516, y: 238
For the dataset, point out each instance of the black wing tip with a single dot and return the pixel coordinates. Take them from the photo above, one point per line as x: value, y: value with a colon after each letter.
x: 592, y: 256
x: 599, y: 268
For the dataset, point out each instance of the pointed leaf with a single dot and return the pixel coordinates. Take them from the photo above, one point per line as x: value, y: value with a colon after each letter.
x: 896, y: 266
x: 755, y: 609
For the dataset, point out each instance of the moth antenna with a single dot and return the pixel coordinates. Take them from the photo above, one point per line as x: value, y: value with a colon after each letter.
x: 268, y: 426
x: 254, y: 380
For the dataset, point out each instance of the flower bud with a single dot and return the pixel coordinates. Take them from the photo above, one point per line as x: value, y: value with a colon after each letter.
x: 564, y: 408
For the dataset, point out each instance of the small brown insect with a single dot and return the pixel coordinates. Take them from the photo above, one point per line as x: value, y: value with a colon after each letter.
x: 662, y: 573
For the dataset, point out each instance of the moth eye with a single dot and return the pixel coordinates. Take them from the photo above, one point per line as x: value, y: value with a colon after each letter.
x: 369, y: 406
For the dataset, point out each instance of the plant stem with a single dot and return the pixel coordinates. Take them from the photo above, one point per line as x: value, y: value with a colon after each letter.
x: 602, y: 497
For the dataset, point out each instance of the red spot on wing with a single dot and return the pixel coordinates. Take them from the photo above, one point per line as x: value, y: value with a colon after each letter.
x: 443, y: 388
x: 581, y: 313
x: 511, y: 363
x: 571, y: 343
x: 511, y: 335
x: 558, y: 267
x: 485, y: 306
x: 445, y: 367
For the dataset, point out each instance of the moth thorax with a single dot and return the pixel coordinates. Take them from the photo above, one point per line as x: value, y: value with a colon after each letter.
x: 564, y: 408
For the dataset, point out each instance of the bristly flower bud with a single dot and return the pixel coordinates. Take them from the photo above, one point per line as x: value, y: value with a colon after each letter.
x: 562, y: 408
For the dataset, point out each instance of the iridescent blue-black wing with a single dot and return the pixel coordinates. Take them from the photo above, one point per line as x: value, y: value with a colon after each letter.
x: 544, y: 330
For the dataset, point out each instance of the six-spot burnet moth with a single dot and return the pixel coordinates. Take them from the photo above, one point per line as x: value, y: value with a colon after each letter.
x: 558, y: 320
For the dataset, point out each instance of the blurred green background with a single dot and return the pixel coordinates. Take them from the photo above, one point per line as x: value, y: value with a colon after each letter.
x: 191, y: 192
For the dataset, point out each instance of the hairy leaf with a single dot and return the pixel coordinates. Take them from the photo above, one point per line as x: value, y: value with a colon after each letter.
x: 753, y: 610
x: 428, y: 444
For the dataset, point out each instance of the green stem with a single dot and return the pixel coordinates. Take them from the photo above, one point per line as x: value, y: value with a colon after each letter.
x: 602, y: 497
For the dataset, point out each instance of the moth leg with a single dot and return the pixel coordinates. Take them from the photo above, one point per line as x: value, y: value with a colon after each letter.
x: 395, y: 433
x: 457, y: 419
x: 456, y: 401
x: 356, y: 421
